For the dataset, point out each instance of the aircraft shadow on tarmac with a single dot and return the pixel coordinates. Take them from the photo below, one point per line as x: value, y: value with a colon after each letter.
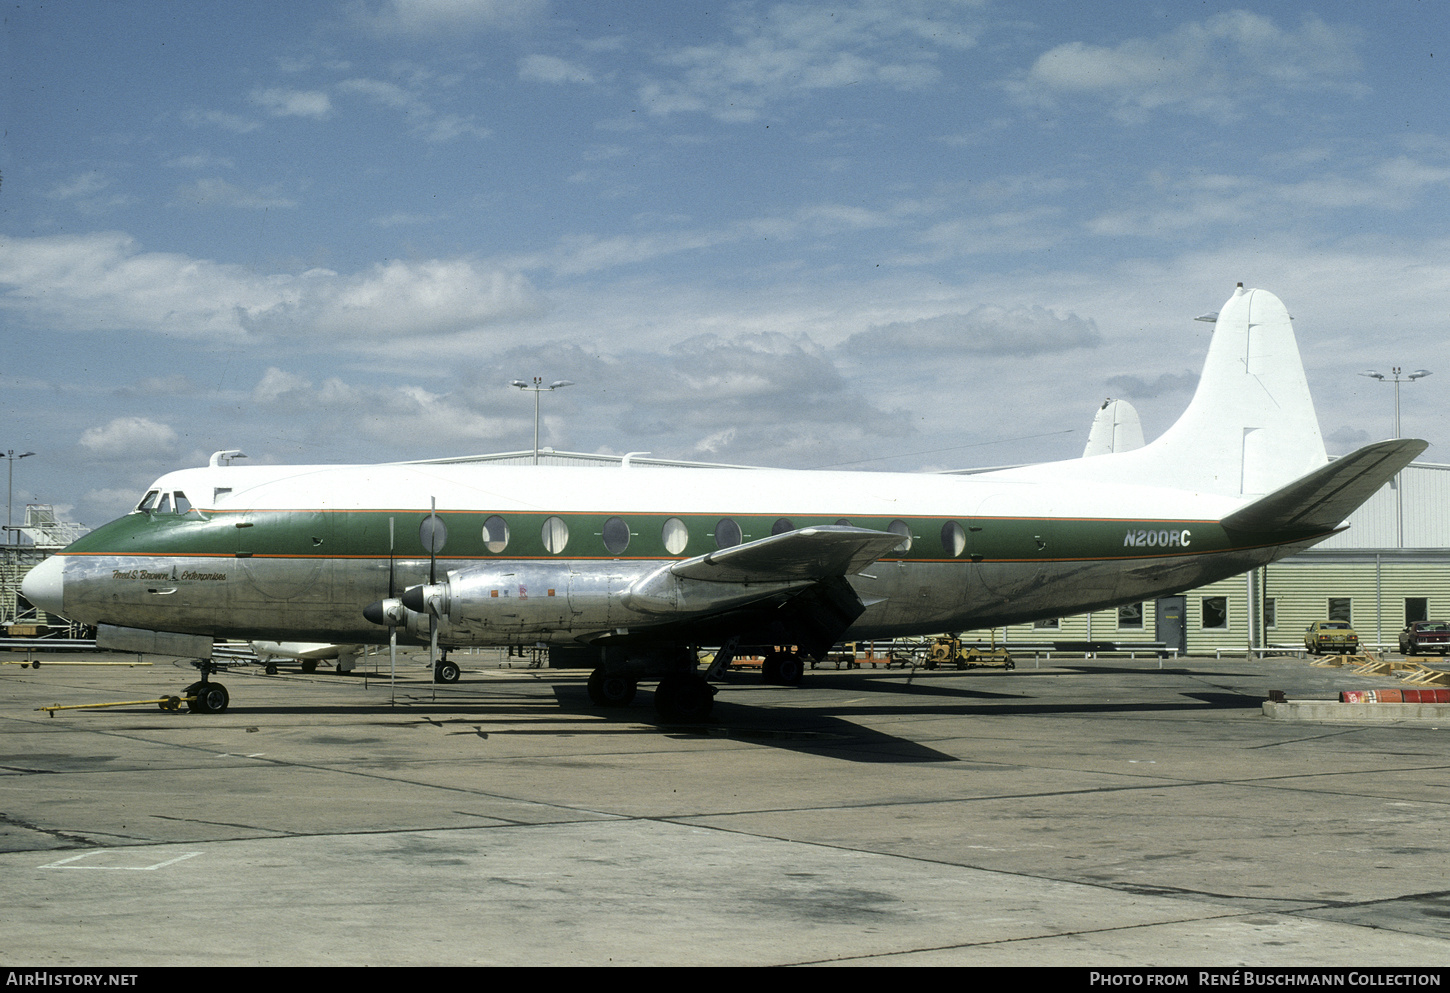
x: 827, y: 729
x: 823, y: 727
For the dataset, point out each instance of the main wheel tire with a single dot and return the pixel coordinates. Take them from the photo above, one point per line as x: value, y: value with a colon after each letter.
x: 606, y: 690
x: 684, y: 698
x: 446, y: 672
x: 770, y: 669
x: 792, y: 669
x: 783, y: 669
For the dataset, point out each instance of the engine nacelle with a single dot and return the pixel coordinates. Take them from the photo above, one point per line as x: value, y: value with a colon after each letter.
x: 531, y: 600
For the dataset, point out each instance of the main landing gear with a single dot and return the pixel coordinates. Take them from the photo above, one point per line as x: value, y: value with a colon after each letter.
x: 680, y: 697
x: 783, y: 668
x: 682, y: 694
x: 611, y: 690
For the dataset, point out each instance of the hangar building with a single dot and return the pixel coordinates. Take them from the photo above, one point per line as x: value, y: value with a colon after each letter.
x: 1391, y: 566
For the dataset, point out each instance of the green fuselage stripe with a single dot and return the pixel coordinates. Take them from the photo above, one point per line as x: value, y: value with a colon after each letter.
x: 365, y: 535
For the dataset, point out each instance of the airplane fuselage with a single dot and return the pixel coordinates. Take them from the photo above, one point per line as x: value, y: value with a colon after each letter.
x: 558, y: 555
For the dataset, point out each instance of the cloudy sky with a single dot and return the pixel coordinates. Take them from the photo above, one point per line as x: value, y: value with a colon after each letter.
x: 892, y: 234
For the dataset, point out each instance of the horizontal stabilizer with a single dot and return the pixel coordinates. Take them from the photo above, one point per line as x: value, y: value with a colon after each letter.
x: 802, y: 555
x: 1323, y: 499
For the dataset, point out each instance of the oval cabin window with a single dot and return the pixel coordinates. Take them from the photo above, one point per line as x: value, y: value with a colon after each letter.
x: 555, y: 535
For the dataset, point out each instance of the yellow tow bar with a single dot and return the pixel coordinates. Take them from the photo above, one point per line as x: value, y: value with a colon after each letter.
x: 35, y: 664
x: 165, y: 703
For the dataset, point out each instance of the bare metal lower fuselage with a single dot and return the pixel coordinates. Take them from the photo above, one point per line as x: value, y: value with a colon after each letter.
x: 588, y: 600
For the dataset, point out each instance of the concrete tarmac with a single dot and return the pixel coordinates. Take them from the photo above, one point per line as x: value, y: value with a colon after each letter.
x: 1079, y: 812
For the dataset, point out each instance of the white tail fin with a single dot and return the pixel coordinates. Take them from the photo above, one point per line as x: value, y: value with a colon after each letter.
x: 1251, y: 427
x: 1116, y: 428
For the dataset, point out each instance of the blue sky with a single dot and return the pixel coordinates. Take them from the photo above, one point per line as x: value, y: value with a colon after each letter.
x: 896, y: 235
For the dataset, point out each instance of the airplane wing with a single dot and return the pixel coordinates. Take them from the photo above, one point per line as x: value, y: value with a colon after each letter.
x: 785, y: 589
x: 1321, y: 500
x: 803, y: 555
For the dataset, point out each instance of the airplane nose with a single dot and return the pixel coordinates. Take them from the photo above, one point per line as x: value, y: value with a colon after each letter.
x: 44, y: 585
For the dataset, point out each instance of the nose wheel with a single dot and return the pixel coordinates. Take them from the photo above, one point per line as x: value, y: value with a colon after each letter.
x: 207, y: 698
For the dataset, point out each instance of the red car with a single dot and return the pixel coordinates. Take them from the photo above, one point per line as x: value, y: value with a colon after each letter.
x: 1423, y: 637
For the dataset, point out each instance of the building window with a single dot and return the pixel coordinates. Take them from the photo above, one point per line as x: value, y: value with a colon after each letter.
x: 1130, y: 617
x: 1340, y: 609
x: 1050, y: 624
x: 1214, y: 616
x: 1417, y: 608
x: 1271, y: 614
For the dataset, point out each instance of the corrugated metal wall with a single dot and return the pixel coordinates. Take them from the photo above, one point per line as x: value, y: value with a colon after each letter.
x: 1375, y: 584
x: 1425, y: 499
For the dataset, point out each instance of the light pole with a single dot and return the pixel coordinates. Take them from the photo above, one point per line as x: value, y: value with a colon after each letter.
x: 1399, y: 493
x: 536, y: 389
x: 10, y: 457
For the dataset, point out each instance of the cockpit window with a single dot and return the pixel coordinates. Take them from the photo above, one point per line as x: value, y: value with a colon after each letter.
x: 148, y: 501
x: 183, y: 505
x: 164, y: 505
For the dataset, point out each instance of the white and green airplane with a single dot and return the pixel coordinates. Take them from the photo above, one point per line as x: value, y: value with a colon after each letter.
x: 637, y: 569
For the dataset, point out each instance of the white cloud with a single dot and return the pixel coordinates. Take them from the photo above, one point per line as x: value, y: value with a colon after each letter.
x: 406, y: 414
x: 1211, y: 68
x: 791, y: 50
x: 985, y: 330
x: 86, y: 184
x: 399, y: 300
x: 104, y: 281
x: 230, y: 122
x: 200, y: 160
x: 86, y: 192
x: 422, y: 18
x: 422, y: 118
x: 1196, y: 201
x: 129, y: 437
x: 293, y: 103
x: 216, y: 192
x: 276, y: 384
x: 551, y: 69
